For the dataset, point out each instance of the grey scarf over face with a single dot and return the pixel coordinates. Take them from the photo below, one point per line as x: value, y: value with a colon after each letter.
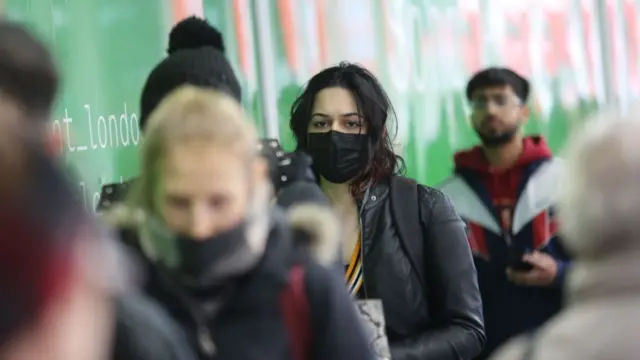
x: 159, y: 243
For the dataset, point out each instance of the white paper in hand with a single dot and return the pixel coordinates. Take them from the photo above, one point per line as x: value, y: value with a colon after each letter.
x: 373, y: 320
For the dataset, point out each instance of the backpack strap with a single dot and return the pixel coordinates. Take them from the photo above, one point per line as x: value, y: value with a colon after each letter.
x: 405, y: 211
x: 295, y: 310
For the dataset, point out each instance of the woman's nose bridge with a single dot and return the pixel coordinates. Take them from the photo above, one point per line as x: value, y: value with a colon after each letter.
x: 200, y: 224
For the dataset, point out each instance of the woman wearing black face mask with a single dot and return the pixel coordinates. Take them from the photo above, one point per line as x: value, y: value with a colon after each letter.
x: 431, y: 300
x: 220, y: 258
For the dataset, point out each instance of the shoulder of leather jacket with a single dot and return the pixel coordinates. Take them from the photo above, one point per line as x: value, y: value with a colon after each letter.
x: 435, y: 206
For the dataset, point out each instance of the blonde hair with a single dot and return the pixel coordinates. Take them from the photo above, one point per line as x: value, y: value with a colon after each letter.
x: 190, y: 114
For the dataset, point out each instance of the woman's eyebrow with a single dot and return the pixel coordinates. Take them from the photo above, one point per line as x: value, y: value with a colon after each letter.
x: 349, y: 114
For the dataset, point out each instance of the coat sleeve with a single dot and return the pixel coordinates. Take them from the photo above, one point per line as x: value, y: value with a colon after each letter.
x: 455, y: 303
x: 338, y: 333
x: 555, y: 249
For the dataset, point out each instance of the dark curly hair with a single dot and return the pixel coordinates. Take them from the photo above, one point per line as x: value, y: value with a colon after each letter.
x: 376, y: 109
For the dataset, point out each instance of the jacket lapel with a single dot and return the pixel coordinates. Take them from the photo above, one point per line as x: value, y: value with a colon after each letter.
x: 539, y: 193
x: 469, y: 205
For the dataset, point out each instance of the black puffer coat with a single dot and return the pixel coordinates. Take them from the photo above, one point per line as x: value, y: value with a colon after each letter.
x: 249, y: 321
x: 145, y: 331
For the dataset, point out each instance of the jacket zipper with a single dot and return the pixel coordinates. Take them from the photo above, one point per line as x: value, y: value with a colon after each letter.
x: 364, y: 284
x: 360, y: 213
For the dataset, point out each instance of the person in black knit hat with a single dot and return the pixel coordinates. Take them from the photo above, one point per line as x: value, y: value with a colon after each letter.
x: 196, y: 56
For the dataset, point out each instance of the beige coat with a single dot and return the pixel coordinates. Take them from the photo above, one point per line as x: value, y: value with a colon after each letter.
x: 602, y: 317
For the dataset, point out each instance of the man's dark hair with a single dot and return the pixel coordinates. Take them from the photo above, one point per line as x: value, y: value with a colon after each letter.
x: 498, y: 76
x: 28, y: 73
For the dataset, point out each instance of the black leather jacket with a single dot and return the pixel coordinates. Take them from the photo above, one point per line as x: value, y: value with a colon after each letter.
x: 443, y: 321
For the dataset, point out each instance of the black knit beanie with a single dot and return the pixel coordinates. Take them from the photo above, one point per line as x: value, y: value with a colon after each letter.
x: 196, y: 57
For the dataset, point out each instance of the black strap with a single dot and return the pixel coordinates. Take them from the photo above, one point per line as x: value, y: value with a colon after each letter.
x: 405, y: 210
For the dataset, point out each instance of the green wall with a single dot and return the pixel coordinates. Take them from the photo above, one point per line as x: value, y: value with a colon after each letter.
x: 105, y: 50
x: 423, y: 52
x: 241, y: 49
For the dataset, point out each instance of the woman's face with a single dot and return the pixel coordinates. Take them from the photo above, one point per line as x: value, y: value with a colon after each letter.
x: 335, y: 109
x: 204, y: 190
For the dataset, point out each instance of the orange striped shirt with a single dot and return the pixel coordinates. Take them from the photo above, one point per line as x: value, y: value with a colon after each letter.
x: 353, y: 275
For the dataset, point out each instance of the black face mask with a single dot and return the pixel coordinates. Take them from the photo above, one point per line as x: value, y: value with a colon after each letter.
x: 216, y: 257
x: 337, y: 156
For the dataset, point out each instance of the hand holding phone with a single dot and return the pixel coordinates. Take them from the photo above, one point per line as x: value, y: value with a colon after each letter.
x: 514, y: 258
x: 543, y: 272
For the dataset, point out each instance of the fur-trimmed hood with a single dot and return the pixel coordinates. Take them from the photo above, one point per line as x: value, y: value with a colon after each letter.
x: 320, y: 226
x: 318, y: 223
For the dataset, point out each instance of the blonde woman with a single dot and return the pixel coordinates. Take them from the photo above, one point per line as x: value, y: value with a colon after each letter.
x: 220, y: 257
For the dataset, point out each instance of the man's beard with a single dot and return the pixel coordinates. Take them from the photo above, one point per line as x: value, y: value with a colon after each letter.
x: 497, y: 140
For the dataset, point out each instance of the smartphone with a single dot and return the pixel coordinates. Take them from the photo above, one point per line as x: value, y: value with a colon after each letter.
x: 514, y: 258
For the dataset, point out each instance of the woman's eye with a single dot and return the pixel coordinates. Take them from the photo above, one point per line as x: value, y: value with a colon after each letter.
x: 177, y: 202
x: 218, y: 202
x: 319, y: 124
x: 354, y: 124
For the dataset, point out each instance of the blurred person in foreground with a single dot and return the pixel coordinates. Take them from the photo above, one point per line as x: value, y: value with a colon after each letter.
x: 196, y: 56
x: 599, y: 203
x: 29, y: 76
x: 502, y: 188
x: 219, y: 256
x: 55, y: 295
x: 59, y: 283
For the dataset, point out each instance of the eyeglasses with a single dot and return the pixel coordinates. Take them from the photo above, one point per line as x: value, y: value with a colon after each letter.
x: 499, y: 101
